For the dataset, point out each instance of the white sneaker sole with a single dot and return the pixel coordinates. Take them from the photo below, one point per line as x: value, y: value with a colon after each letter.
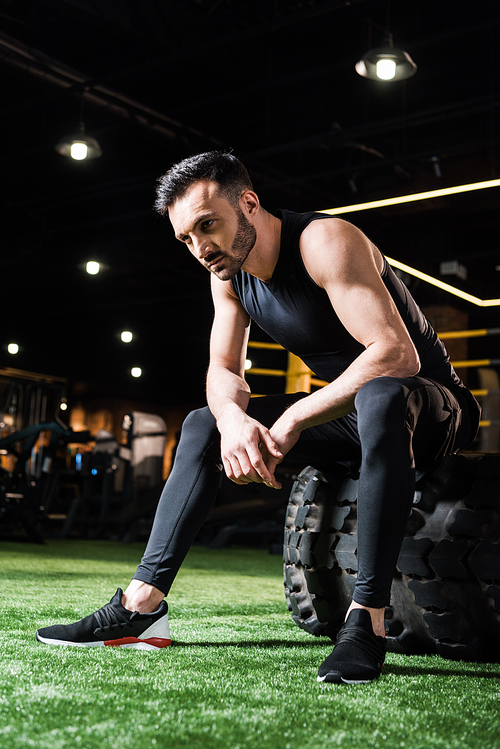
x: 324, y: 680
x: 151, y: 643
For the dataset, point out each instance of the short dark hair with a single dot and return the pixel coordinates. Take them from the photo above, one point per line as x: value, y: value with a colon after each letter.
x: 215, y: 166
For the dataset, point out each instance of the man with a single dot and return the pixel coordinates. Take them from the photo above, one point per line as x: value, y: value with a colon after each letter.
x: 392, y: 407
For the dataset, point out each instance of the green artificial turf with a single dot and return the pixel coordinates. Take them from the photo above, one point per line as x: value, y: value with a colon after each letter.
x: 239, y: 675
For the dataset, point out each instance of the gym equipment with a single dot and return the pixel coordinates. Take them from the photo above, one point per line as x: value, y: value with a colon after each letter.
x: 116, y: 480
x: 144, y: 451
x: 23, y: 488
x: 96, y: 471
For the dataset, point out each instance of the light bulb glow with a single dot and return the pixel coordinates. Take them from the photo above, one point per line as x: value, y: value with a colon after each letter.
x: 248, y: 364
x: 136, y: 372
x: 93, y: 267
x: 126, y: 336
x: 63, y: 406
x: 386, y: 69
x: 79, y: 151
x: 13, y: 348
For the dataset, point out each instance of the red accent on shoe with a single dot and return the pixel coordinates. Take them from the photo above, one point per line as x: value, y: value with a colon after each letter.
x: 157, y: 642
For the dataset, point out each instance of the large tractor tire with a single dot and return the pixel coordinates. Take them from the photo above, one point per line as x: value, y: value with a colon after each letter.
x: 445, y: 596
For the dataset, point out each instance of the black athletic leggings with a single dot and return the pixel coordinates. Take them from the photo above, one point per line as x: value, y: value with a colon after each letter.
x: 399, y: 424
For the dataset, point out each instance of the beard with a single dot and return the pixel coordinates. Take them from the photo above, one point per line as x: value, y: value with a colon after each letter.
x: 243, y: 243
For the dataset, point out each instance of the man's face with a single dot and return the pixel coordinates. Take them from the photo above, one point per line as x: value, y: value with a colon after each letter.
x: 218, y: 234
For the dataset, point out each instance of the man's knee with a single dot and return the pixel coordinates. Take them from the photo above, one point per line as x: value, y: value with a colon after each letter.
x: 382, y: 409
x: 199, y: 427
x: 199, y: 417
x: 382, y: 406
x: 381, y: 393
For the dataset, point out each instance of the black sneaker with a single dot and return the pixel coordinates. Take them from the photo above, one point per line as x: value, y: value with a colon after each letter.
x: 358, y: 655
x: 113, y: 625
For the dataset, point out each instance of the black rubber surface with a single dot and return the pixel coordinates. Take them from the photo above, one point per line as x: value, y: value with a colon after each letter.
x: 445, y: 596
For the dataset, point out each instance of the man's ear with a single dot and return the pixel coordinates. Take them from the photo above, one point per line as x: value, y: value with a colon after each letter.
x: 249, y: 204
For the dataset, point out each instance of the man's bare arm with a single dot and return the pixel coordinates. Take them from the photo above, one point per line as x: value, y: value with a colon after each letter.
x: 245, y: 443
x: 347, y: 265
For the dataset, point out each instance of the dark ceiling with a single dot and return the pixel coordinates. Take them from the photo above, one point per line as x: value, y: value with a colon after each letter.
x: 158, y: 80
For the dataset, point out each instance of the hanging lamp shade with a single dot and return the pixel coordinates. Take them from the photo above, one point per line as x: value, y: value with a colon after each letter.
x: 79, y: 146
x: 386, y: 64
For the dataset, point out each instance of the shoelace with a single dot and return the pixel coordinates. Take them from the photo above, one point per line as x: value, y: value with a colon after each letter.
x: 108, y: 615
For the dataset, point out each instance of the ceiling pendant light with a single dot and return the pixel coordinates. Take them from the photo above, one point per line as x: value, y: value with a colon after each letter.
x: 79, y: 146
x: 386, y: 64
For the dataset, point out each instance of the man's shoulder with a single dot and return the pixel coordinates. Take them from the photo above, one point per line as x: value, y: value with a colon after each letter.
x: 331, y: 237
x: 329, y: 226
x: 336, y: 250
x: 310, y: 228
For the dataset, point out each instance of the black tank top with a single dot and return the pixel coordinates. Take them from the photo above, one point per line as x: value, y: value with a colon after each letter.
x: 298, y: 314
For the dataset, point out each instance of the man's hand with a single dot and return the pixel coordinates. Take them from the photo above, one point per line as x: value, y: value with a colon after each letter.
x: 285, y: 438
x: 246, y: 448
